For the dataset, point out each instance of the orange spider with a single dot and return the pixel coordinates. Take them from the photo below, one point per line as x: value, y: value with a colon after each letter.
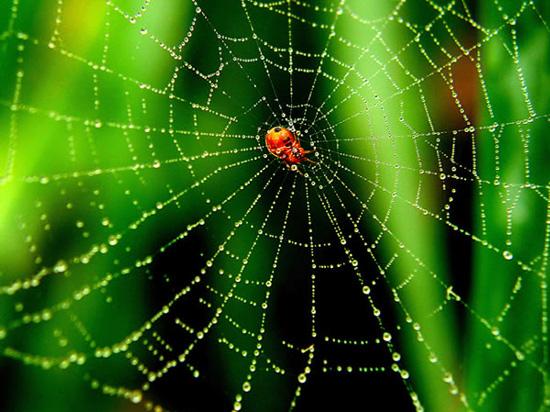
x: 282, y: 143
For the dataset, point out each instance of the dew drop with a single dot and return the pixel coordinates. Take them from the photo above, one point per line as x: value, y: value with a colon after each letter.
x: 60, y: 266
x: 520, y: 355
x: 136, y: 397
x: 448, y: 378
x: 507, y: 255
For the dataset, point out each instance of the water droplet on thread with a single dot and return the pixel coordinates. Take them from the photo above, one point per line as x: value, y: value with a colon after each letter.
x: 507, y: 255
x: 60, y: 266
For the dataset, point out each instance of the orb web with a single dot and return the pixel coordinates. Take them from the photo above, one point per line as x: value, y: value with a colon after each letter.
x: 154, y: 252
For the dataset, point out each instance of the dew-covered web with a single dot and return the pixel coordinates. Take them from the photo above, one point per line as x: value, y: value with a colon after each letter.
x: 155, y: 253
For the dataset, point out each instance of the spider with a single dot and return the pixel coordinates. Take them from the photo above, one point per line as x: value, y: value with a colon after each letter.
x: 282, y: 143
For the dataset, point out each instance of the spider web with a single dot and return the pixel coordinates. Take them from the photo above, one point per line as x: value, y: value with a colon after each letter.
x: 154, y: 253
